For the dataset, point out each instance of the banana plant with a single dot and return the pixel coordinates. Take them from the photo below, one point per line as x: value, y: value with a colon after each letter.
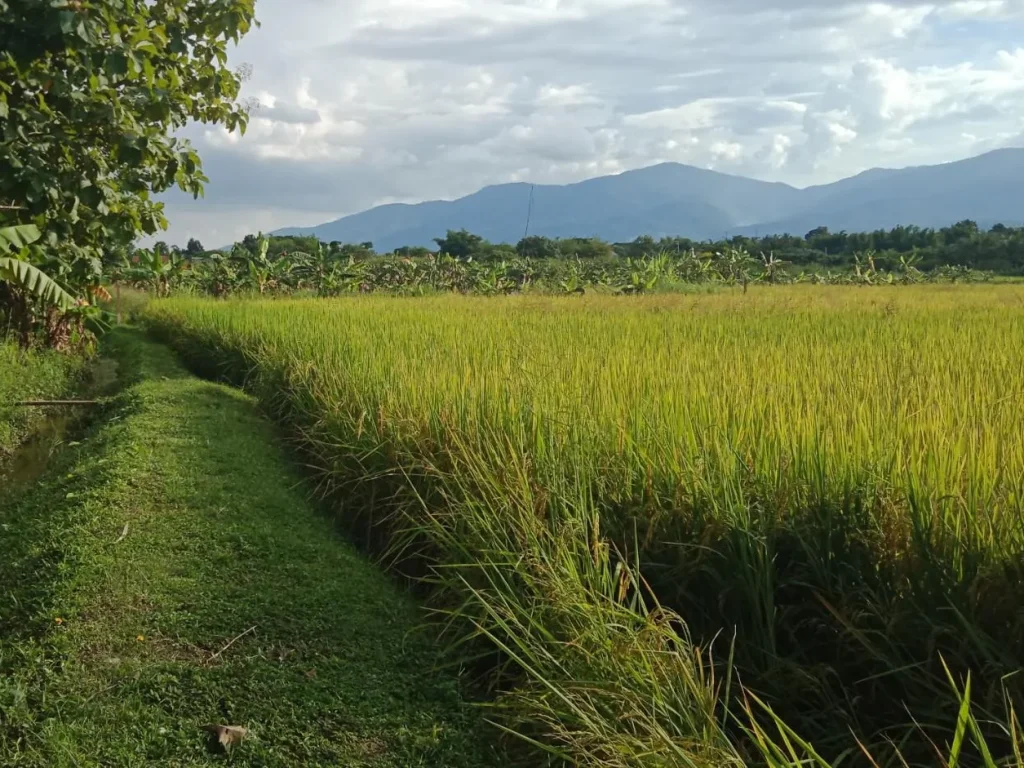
x: 642, y: 275
x: 773, y: 268
x: 32, y: 297
x: 734, y: 265
x: 158, y: 271
x: 491, y: 279
x: 446, y: 273
x: 259, y: 271
x: 909, y: 272
x: 693, y: 268
x: 864, y: 271
x: 312, y: 270
x: 573, y: 281
x: 16, y: 269
x: 215, y: 275
x: 522, y: 273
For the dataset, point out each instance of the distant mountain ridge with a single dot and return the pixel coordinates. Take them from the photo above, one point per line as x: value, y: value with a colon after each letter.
x: 680, y: 200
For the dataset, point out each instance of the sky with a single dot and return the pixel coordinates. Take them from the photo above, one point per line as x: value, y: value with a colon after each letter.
x: 364, y: 102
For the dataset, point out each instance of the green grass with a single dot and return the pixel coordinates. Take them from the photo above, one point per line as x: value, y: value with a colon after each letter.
x: 29, y: 375
x: 824, y: 483
x: 171, y: 529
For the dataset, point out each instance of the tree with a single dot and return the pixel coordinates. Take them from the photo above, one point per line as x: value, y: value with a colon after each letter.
x: 194, y: 248
x: 962, y: 230
x: 91, y: 92
x: 537, y: 247
x: 460, y: 244
x: 354, y: 252
x: 585, y: 248
x: 643, y: 246
x: 497, y: 252
x: 251, y: 243
x: 412, y: 251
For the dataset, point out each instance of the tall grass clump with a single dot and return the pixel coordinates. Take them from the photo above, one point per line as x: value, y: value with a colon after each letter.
x: 781, y: 527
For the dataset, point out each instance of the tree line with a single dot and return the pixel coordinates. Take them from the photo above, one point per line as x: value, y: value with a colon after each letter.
x: 275, y: 265
x: 999, y: 250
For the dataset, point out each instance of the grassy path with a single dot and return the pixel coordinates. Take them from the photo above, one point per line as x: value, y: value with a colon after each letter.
x: 172, y: 530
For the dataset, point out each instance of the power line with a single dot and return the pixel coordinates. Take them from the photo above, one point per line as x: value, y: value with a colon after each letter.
x: 529, y: 213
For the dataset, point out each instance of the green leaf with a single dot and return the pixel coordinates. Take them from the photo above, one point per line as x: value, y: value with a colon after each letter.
x: 117, y: 64
x: 18, y: 237
x: 66, y: 20
x: 35, y: 282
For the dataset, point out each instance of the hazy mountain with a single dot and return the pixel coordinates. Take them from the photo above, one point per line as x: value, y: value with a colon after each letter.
x: 988, y: 189
x: 673, y: 199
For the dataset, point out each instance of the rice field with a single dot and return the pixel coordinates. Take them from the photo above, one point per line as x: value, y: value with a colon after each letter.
x: 781, y: 527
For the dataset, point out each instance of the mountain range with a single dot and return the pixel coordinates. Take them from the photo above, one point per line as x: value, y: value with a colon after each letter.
x: 680, y: 200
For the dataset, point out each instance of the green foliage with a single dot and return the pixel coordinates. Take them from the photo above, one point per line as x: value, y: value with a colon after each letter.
x: 585, y: 248
x: 467, y: 263
x: 34, y: 282
x: 536, y: 247
x: 26, y: 277
x: 406, y: 251
x: 284, y: 265
x: 90, y: 95
x: 33, y: 301
x: 1001, y: 249
x: 18, y: 237
x: 461, y: 244
x: 194, y: 248
x: 155, y: 270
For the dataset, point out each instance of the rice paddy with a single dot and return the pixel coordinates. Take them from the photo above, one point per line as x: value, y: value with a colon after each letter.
x: 780, y: 527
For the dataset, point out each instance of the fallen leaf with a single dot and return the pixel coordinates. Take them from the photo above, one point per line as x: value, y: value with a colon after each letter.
x: 311, y: 674
x: 226, y: 736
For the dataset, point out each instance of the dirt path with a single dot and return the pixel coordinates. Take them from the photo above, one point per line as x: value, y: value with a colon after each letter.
x: 168, y: 573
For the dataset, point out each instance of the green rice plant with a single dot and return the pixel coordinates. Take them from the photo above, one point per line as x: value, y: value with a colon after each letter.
x: 600, y: 489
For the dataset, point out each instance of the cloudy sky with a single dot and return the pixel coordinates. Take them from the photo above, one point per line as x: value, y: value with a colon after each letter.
x: 370, y: 101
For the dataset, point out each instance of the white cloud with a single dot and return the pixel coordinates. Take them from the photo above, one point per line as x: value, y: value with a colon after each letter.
x: 695, y: 115
x: 366, y: 101
x: 728, y: 151
x: 975, y: 8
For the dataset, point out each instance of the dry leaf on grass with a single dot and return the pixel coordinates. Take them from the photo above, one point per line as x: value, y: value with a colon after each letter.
x: 226, y: 736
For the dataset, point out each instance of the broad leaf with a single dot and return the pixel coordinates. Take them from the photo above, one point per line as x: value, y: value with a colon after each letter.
x: 17, y: 237
x: 35, y: 282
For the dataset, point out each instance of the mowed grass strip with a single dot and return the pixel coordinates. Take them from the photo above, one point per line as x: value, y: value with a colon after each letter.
x: 169, y: 574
